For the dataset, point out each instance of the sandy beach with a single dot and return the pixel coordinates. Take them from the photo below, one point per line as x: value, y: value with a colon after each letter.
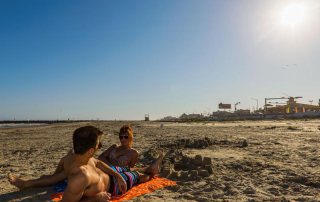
x: 250, y: 160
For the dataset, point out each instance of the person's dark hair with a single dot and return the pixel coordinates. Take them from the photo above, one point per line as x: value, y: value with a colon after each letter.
x: 85, y: 138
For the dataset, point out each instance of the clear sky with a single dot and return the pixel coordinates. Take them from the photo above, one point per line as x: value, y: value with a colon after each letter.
x: 121, y: 59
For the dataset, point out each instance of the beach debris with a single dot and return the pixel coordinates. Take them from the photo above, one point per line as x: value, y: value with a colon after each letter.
x: 292, y: 128
x: 270, y: 128
x: 206, y: 144
x: 243, y: 143
x: 202, y: 199
x: 274, y: 191
x: 208, y: 140
x: 5, y: 165
x: 305, y: 180
x: 230, y: 190
x: 182, y: 142
x: 249, y: 190
x: 187, y: 143
x: 188, y: 196
x: 196, y: 144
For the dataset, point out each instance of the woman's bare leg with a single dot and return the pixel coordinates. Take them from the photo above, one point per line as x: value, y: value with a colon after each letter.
x: 153, y: 169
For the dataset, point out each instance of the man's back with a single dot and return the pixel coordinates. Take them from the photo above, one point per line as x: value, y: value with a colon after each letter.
x: 84, y: 178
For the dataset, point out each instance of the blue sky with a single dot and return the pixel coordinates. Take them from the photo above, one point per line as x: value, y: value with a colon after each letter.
x: 122, y: 59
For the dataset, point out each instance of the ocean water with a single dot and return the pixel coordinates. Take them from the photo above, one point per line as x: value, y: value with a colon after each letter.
x: 20, y: 125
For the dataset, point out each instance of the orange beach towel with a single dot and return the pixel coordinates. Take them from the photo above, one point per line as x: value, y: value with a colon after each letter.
x: 140, y: 189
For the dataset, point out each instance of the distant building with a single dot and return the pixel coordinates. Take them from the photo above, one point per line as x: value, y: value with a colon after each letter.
x: 191, y: 117
x: 292, y: 107
x: 242, y: 112
x: 221, y: 114
x: 169, y: 118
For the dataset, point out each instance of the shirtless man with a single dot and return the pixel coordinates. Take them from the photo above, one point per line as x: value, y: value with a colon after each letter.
x: 88, y: 178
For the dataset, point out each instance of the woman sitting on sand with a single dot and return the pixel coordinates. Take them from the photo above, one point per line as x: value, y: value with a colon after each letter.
x: 121, y: 159
x: 124, y: 155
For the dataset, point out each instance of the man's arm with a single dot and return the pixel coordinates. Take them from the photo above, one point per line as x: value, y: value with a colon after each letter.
x: 105, y: 168
x: 60, y: 167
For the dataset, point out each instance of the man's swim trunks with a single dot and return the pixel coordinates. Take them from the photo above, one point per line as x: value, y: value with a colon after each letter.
x: 131, y: 178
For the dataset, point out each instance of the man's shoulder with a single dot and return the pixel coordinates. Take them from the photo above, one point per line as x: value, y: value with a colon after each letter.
x: 67, y: 157
x: 92, y: 161
x: 79, y: 175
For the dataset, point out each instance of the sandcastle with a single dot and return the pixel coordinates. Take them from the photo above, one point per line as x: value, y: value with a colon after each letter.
x: 185, y: 167
x: 177, y: 165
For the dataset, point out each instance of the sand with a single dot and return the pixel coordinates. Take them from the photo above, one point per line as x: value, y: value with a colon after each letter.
x: 251, y: 160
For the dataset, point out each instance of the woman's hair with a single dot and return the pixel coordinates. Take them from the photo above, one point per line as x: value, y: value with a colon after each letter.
x: 127, y: 129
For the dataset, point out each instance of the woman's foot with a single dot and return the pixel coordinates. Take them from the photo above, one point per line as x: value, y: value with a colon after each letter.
x: 17, y: 182
x: 143, y: 178
x: 155, y: 167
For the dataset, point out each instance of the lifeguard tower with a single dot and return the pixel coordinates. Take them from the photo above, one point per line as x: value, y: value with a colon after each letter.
x: 146, y: 117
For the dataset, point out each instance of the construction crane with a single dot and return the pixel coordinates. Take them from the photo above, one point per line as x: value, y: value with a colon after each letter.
x: 276, y: 103
x: 274, y: 98
x: 290, y: 98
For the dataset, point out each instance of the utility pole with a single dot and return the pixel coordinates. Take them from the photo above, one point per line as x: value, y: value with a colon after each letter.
x: 256, y: 101
x: 235, y: 106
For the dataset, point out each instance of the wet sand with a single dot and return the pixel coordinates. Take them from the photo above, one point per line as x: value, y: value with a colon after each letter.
x: 251, y: 160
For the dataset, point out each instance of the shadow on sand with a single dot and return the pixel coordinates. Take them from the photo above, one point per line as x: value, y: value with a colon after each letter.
x: 33, y: 195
